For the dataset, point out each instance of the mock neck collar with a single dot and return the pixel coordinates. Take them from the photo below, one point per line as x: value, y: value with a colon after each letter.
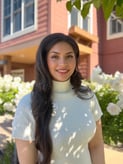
x: 61, y: 86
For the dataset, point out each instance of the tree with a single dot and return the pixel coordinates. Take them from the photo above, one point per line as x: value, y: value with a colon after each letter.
x: 107, y: 6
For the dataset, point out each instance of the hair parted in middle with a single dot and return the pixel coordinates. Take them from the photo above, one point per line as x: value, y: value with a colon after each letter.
x: 42, y: 106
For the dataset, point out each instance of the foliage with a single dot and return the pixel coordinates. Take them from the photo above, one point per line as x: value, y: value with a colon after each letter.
x: 6, y: 97
x: 11, y: 90
x: 108, y: 89
x: 7, y: 153
x: 107, y: 6
x: 112, y: 124
x: 109, y: 92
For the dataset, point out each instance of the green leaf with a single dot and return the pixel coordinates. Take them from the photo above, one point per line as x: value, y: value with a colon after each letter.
x: 119, y: 2
x: 77, y: 4
x: 69, y: 6
x: 119, y: 11
x: 108, y: 6
x: 85, y: 9
x: 97, y: 3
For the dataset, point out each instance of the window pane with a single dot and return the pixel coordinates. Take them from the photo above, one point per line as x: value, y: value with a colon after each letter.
x: 74, y: 17
x: 7, y: 26
x: 7, y: 7
x: 17, y: 22
x: 28, y: 1
x: 113, y: 26
x: 85, y: 24
x: 7, y: 17
x: 17, y: 4
x: 119, y: 27
x: 29, y: 16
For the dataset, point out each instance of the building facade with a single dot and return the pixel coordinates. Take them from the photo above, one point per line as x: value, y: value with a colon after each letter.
x: 110, y: 43
x: 24, y: 23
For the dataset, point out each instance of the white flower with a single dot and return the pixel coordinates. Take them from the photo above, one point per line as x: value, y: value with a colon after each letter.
x: 113, y: 109
x: 1, y: 85
x: 99, y: 76
x: 120, y: 96
x: 98, y: 69
x: 7, y: 87
x: 8, y: 106
x: 120, y: 103
x: 8, y: 78
x: 117, y: 82
x: 96, y: 74
x: 17, y: 79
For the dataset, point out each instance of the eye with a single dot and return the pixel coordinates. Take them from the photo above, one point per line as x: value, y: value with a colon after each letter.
x: 70, y: 56
x: 54, y: 57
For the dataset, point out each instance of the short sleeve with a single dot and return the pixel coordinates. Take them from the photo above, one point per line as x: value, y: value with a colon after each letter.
x: 23, y: 125
x: 95, y: 108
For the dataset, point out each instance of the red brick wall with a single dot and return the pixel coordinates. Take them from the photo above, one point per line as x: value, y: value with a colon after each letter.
x: 83, y: 66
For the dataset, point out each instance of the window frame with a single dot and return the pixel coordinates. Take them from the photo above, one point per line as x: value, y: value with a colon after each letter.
x: 23, y: 30
x: 80, y: 20
x: 113, y: 35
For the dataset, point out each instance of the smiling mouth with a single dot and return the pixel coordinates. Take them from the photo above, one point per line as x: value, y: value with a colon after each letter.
x: 62, y: 71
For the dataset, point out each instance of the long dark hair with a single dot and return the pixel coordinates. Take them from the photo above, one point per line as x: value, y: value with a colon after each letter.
x: 41, y: 94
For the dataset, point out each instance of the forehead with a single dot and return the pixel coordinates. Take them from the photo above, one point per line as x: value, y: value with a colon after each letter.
x: 62, y: 46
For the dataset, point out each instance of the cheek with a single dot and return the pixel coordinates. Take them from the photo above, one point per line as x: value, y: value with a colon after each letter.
x: 50, y: 65
x: 73, y: 64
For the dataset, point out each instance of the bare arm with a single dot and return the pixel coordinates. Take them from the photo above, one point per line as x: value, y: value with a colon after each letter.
x: 26, y: 151
x: 96, y: 146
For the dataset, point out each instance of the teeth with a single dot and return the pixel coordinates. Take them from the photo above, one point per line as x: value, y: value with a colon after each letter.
x: 62, y: 71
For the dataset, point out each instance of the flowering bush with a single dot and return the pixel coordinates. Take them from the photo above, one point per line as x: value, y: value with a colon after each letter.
x: 109, y: 91
x: 11, y: 91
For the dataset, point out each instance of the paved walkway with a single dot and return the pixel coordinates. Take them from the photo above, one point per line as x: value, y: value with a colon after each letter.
x: 5, y: 129
x: 112, y: 156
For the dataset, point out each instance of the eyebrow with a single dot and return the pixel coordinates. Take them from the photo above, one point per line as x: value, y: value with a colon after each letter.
x: 55, y: 52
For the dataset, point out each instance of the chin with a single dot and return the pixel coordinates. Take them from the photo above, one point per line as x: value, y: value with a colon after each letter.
x: 62, y: 80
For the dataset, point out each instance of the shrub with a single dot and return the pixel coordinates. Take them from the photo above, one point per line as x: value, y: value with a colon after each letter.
x: 11, y: 91
x: 108, y: 89
x: 109, y: 92
x: 7, y: 156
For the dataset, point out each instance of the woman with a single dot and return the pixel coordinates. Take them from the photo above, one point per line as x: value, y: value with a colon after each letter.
x: 59, y: 122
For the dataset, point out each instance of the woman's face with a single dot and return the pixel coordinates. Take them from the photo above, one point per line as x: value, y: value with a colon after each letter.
x: 61, y: 61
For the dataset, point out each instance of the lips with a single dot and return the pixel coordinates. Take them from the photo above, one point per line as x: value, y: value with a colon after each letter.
x: 62, y: 71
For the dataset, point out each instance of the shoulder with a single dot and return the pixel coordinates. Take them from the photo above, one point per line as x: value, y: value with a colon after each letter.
x: 25, y: 99
x: 25, y: 102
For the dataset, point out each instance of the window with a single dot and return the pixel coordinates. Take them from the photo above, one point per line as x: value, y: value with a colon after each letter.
x: 75, y: 18
x: 18, y: 73
x: 29, y: 13
x: 7, y: 17
x: 114, y: 27
x: 18, y: 17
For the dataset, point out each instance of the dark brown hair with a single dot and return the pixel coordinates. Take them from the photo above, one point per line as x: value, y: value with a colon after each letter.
x: 42, y: 91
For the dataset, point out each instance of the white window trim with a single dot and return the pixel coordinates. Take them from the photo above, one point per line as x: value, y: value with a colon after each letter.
x: 18, y: 73
x: 112, y: 36
x: 23, y: 31
x: 91, y: 19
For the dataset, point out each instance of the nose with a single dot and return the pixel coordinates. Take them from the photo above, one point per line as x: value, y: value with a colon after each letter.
x: 62, y: 61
